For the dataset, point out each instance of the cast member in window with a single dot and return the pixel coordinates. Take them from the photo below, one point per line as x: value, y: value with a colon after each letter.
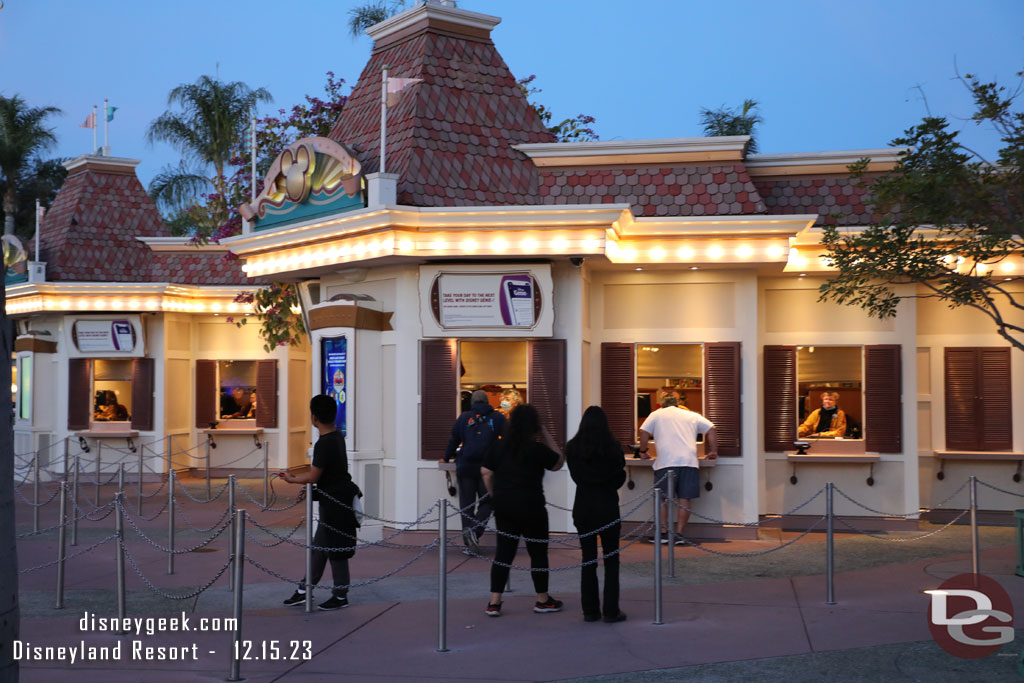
x: 228, y: 405
x: 828, y: 420
x: 510, y: 398
x: 243, y: 405
x: 108, y: 409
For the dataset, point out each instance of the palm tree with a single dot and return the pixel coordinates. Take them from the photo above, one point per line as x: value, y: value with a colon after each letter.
x: 726, y: 121
x: 22, y: 136
x: 207, y: 132
x: 373, y: 12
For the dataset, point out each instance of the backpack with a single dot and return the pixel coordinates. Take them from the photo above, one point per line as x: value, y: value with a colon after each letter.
x: 477, y: 436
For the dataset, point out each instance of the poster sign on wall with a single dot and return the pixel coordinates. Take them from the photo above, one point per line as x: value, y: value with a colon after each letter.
x: 334, y: 368
x: 104, y: 335
x: 483, y: 300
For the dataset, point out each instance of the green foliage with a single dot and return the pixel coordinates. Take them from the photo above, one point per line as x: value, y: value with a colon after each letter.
x: 363, y: 17
x: 575, y: 129
x: 23, y: 136
x: 41, y: 180
x: 726, y: 121
x: 947, y: 221
x: 273, y: 305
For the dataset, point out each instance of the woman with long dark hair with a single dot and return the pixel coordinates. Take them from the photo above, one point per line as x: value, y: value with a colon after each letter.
x: 598, y: 467
x: 513, y: 472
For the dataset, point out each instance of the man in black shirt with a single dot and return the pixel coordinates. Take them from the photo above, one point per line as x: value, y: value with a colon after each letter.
x: 337, y: 526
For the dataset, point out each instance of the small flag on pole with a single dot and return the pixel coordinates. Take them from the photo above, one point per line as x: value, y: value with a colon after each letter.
x: 90, y: 121
x: 397, y: 85
x: 110, y: 112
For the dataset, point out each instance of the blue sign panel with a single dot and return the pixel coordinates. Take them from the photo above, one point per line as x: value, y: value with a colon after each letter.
x: 334, y: 368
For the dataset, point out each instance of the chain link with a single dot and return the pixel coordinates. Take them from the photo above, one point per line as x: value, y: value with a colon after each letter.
x: 216, y: 524
x: 878, y: 512
x: 996, y: 488
x: 140, y: 494
x: 266, y: 508
x: 203, y: 502
x: 755, y: 523
x: 421, y: 520
x: 85, y: 515
x: 261, y: 544
x: 38, y: 505
x: 68, y: 557
x: 758, y: 553
x: 169, y: 596
x: 905, y: 538
x: 156, y: 514
x: 165, y: 549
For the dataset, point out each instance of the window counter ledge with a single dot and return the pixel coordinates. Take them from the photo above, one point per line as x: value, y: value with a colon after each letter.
x: 640, y: 462
x: 234, y: 430
x: 108, y: 434
x: 979, y: 455
x: 847, y: 458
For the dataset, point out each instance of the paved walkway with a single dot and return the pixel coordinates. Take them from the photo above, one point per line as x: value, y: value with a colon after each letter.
x: 724, y: 618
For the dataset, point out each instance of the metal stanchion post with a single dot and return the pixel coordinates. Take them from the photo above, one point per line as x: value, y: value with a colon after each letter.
x: 830, y: 548
x: 231, y: 507
x: 35, y: 491
x: 236, y: 637
x: 208, y: 493
x: 266, y: 474
x: 170, y: 522
x: 99, y: 462
x: 671, y: 523
x: 974, y: 524
x: 66, y: 461
x: 657, y: 556
x: 442, y: 577
x: 120, y: 477
x: 74, y: 501
x: 60, y: 542
x: 167, y: 453
x: 119, y: 530
x: 142, y: 458
x: 309, y: 548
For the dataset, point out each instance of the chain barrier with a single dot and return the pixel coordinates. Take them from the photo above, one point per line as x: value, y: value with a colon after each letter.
x: 384, y: 542
x: 905, y: 538
x: 389, y: 522
x: 261, y: 544
x: 144, y: 496
x: 111, y: 537
x: 209, y: 500
x: 35, y: 453
x: 169, y: 596
x: 38, y: 505
x: 755, y: 523
x: 996, y: 488
x: 908, y: 514
x: 357, y: 584
x: 268, y: 508
x: 85, y: 515
x: 757, y: 553
x: 156, y: 514
x: 180, y: 509
x: 165, y: 549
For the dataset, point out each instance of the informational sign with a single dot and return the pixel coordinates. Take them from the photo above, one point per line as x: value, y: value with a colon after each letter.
x: 104, y: 335
x: 334, y: 368
x: 480, y: 300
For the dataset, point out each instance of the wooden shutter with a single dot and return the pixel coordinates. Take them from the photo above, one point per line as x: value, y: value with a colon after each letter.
x: 996, y: 417
x: 883, y: 399
x: 439, y: 396
x: 79, y: 393
x: 266, y: 393
x: 722, y: 395
x: 961, y: 392
x: 547, y: 384
x: 206, y: 393
x: 618, y: 391
x: 779, y: 397
x: 142, y: 394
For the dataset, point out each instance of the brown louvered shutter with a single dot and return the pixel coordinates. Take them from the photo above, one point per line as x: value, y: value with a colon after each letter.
x: 961, y: 392
x: 618, y: 393
x: 266, y: 393
x: 79, y: 393
x: 883, y: 399
x: 142, y: 394
x: 996, y: 417
x: 722, y: 402
x: 439, y: 396
x: 779, y: 397
x: 206, y: 393
x: 547, y: 385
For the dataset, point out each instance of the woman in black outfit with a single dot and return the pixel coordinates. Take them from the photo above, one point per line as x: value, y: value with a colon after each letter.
x: 598, y: 467
x: 513, y: 472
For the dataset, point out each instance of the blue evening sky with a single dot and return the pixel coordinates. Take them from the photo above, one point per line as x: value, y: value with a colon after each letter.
x: 830, y: 75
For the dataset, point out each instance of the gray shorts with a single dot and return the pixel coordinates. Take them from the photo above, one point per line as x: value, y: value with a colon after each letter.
x: 687, y: 481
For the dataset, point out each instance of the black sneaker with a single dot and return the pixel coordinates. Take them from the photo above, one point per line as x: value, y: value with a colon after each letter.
x: 591, y: 617
x: 334, y: 603
x: 549, y: 605
x: 296, y: 599
x: 621, y: 616
x: 686, y: 541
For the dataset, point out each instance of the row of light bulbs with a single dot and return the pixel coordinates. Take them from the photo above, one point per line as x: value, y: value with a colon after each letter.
x: 99, y: 303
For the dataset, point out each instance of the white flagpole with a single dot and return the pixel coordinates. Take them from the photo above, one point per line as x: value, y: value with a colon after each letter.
x: 383, y: 116
x: 252, y: 125
x: 94, y: 143
x: 106, y: 132
x: 37, y: 231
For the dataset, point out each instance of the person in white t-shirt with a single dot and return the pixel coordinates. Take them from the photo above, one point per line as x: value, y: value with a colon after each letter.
x: 675, y: 431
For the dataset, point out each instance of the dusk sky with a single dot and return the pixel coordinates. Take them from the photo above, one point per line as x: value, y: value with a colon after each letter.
x: 829, y: 75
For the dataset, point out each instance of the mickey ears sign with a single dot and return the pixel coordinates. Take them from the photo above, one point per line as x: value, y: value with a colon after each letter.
x: 312, y: 177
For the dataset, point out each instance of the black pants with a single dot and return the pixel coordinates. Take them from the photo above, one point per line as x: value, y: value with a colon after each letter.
x: 521, y: 519
x: 472, y: 490
x: 588, y: 577
x: 325, y: 538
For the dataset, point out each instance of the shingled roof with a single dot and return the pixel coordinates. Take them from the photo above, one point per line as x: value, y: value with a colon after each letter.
x: 450, y: 137
x: 90, y: 233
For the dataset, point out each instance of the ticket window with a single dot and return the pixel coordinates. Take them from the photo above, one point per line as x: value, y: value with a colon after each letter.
x: 498, y: 367
x: 669, y: 367
x: 237, y: 397
x: 837, y: 370
x: 112, y: 390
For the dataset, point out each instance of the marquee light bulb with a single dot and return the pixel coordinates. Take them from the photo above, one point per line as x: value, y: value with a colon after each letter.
x: 716, y: 252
